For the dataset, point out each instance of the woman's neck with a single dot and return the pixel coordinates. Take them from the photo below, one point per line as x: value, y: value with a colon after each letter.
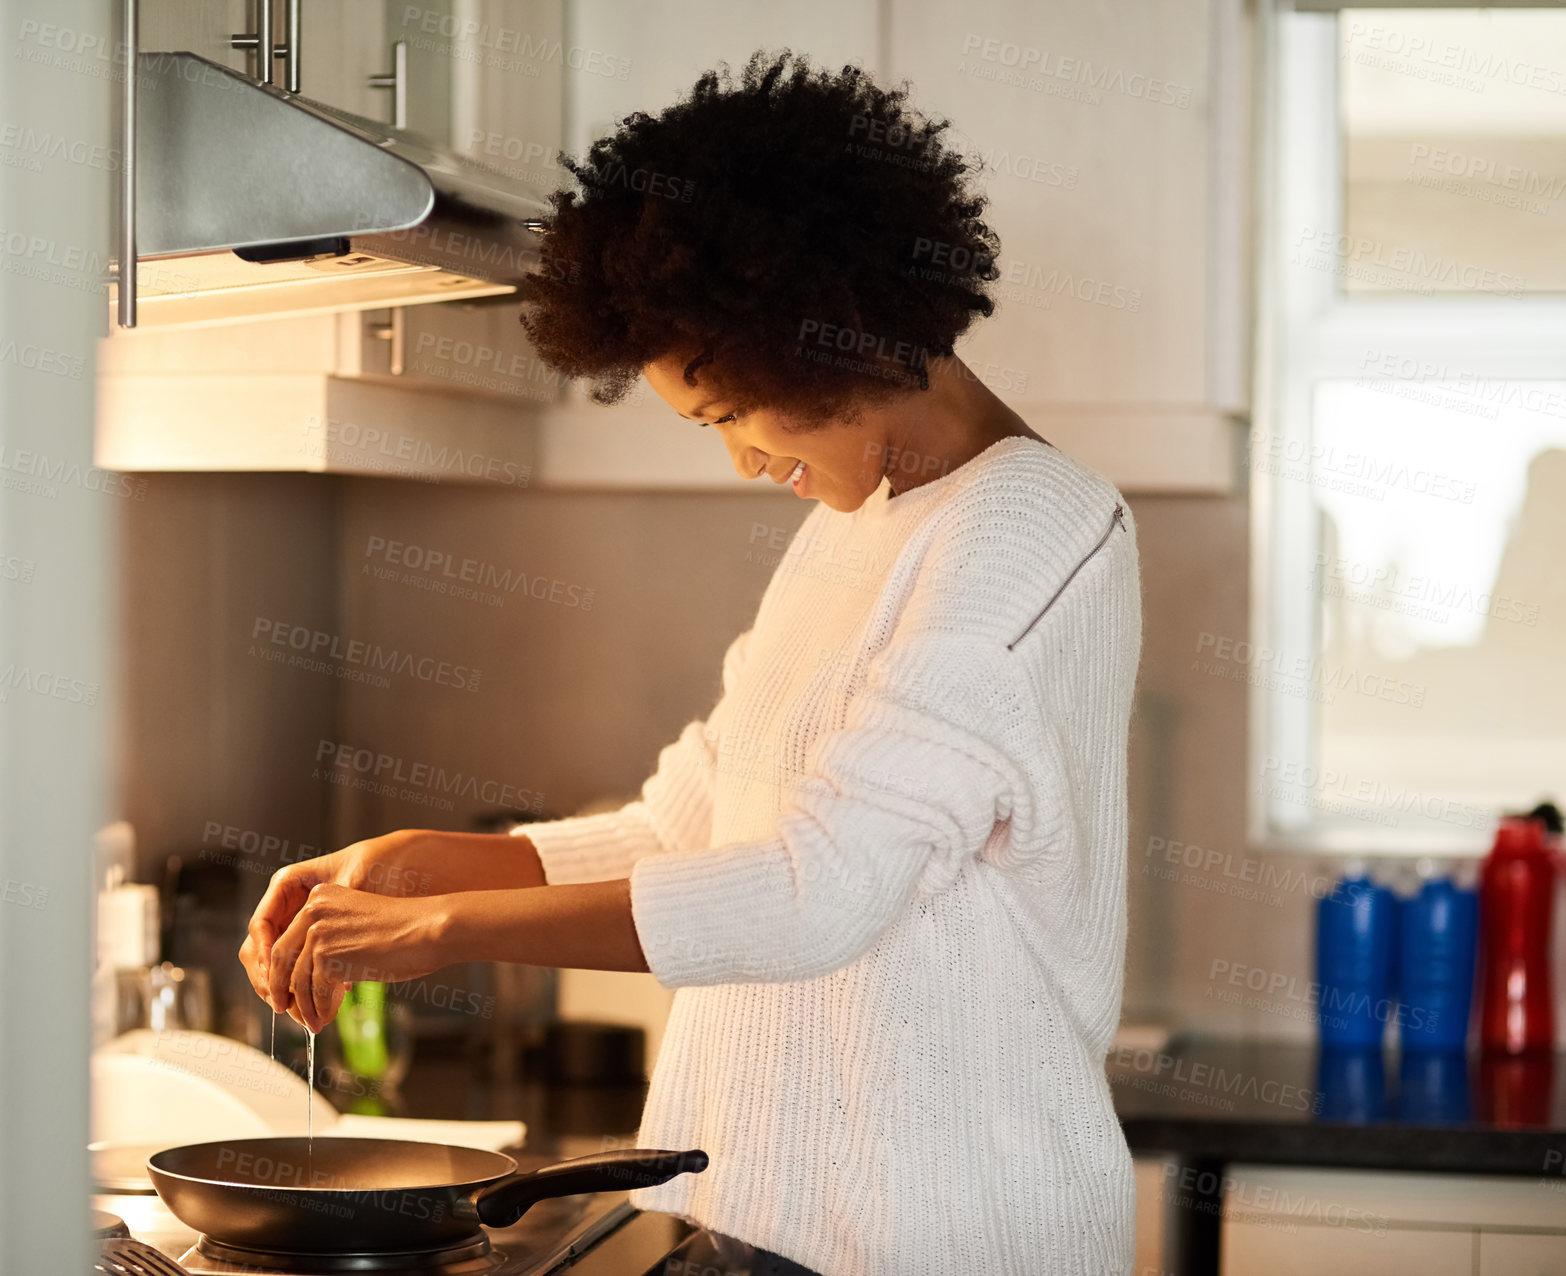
x: 931, y: 432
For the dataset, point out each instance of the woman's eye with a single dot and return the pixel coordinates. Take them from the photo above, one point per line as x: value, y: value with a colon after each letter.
x: 723, y: 420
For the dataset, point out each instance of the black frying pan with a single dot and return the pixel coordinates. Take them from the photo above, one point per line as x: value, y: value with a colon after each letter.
x: 351, y: 1196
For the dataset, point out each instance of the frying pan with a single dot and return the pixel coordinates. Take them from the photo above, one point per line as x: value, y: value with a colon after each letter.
x: 376, y: 1196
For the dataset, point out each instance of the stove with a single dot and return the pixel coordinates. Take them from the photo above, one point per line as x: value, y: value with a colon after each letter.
x: 552, y: 1234
x: 600, y: 1234
x: 477, y: 1258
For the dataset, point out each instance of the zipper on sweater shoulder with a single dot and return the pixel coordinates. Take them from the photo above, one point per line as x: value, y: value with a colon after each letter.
x: 1115, y: 519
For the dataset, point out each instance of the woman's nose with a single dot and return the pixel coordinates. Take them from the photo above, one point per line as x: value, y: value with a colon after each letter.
x: 749, y: 463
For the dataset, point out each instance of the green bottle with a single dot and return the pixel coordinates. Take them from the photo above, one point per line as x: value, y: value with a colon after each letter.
x: 362, y: 1025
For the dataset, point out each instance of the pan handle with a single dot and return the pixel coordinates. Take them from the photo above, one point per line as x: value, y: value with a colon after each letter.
x: 502, y: 1204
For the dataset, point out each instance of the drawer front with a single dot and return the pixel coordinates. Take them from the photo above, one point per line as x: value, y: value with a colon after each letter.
x: 1515, y: 1254
x: 1280, y: 1248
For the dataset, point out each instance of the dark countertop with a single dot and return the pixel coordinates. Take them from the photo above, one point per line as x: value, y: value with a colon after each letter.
x: 562, y: 1120
x: 1199, y: 1098
x: 1205, y: 1102
x: 1292, y: 1104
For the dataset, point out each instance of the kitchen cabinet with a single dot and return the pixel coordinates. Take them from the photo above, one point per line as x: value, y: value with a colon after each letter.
x: 1113, y: 149
x: 491, y: 86
x: 284, y: 394
x: 486, y: 82
x: 344, y: 43
x: 654, y: 51
x: 1283, y: 1249
x: 1113, y: 143
x: 1151, y: 1173
x: 439, y: 390
x: 1280, y: 1220
x: 195, y: 26
x: 1109, y: 139
x: 482, y: 78
x: 1515, y: 1254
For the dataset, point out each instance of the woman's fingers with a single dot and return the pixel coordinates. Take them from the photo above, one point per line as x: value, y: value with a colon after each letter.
x: 285, y: 895
x: 286, y: 952
x: 302, y: 977
x: 317, y: 995
x: 252, y: 956
x: 301, y: 984
x: 333, y: 1003
x: 336, y: 936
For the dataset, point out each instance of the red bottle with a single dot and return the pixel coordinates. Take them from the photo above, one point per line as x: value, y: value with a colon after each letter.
x: 1516, y: 897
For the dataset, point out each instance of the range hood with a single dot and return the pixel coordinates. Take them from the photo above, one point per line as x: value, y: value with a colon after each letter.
x: 252, y: 202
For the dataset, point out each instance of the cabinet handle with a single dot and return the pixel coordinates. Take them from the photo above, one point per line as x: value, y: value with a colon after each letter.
x: 261, y: 37
x: 290, y: 46
x: 127, y: 251
x: 394, y: 331
x: 397, y: 81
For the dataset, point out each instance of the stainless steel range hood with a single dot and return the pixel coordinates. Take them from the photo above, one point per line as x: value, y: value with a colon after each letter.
x: 252, y: 202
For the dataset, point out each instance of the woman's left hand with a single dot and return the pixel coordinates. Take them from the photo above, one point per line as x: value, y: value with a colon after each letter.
x: 340, y: 935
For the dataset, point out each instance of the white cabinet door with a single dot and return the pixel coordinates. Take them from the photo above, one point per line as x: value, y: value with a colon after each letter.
x: 648, y: 53
x: 1281, y: 1219
x: 488, y: 78
x: 1151, y: 1175
x: 1115, y: 184
x: 1514, y: 1254
x: 1093, y: 123
x: 658, y: 48
x: 203, y: 27
x: 1277, y: 1248
x: 341, y: 46
x: 1110, y: 137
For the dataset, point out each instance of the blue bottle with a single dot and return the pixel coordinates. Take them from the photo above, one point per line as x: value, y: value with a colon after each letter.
x: 1355, y: 953
x: 1433, y: 1087
x: 1438, y: 946
x: 1351, y: 1085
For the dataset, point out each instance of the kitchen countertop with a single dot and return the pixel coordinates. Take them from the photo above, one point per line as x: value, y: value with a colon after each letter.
x: 1207, y: 1103
x: 1203, y: 1102
x: 562, y: 1120
x: 1281, y: 1103
x: 1291, y: 1104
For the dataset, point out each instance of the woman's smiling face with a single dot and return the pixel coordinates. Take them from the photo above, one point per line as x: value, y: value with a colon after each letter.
x: 842, y: 463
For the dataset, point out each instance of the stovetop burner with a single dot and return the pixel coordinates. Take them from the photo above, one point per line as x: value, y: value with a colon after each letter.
x: 555, y: 1232
x: 213, y: 1258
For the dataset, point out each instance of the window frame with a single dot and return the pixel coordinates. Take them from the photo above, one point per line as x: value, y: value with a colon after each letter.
x: 1308, y: 332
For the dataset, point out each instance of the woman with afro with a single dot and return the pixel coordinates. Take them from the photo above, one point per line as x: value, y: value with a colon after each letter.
x: 887, y: 872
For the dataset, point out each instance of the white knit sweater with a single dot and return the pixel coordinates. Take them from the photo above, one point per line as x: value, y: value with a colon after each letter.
x: 887, y: 876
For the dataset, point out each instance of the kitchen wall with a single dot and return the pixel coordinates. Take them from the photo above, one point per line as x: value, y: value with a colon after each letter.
x: 211, y: 732
x: 594, y: 622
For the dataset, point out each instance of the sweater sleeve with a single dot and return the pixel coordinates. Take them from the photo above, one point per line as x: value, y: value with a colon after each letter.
x: 673, y: 813
x: 892, y: 805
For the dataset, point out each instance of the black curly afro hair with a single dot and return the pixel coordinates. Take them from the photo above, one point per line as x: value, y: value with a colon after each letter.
x: 809, y: 235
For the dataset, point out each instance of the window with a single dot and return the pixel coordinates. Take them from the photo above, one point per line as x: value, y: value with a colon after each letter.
x: 1408, y: 461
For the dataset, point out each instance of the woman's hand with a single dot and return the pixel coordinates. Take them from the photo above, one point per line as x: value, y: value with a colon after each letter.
x: 406, y: 863
x: 385, y: 864
x: 339, y: 935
